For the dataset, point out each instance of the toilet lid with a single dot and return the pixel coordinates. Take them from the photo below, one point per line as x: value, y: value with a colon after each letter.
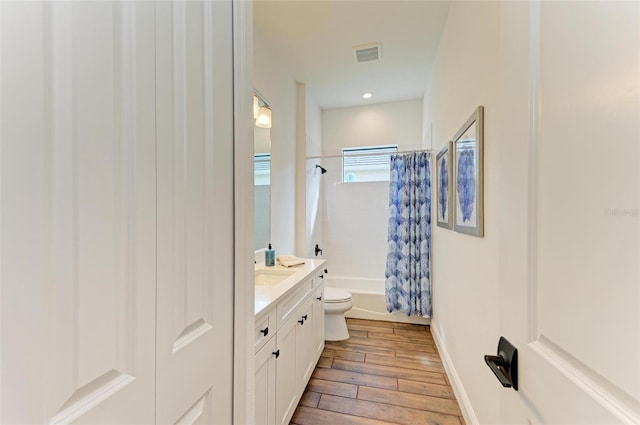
x: 336, y: 295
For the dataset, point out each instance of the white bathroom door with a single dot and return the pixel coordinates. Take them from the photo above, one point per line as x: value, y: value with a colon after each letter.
x: 77, y: 131
x: 570, y: 234
x: 194, y: 110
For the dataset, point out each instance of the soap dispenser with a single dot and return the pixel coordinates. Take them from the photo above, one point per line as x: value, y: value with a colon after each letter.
x: 269, y: 257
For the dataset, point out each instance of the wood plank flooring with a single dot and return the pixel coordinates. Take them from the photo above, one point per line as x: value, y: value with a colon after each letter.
x: 385, y: 373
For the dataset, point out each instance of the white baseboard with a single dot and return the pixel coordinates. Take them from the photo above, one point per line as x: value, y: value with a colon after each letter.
x: 458, y: 389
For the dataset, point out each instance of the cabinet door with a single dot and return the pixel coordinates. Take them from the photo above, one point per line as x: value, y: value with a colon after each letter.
x: 194, y: 109
x: 318, y: 321
x: 265, y: 380
x: 78, y: 212
x: 286, y: 378
x: 305, y: 346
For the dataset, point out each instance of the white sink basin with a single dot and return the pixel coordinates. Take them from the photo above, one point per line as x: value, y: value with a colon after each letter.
x: 266, y: 277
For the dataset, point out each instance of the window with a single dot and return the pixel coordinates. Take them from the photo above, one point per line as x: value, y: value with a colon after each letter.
x: 262, y: 169
x: 368, y: 164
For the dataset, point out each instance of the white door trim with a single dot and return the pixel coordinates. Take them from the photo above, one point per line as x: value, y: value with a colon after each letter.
x: 614, y: 400
x: 243, y: 359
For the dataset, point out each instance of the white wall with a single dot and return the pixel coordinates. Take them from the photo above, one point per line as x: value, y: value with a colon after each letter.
x: 355, y: 214
x: 465, y: 302
x: 273, y: 79
x: 314, y: 191
x: 308, y: 187
x: 378, y: 124
x: 261, y: 140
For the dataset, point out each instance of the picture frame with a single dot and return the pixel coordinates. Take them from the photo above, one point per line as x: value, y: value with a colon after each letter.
x: 444, y: 186
x: 468, y: 142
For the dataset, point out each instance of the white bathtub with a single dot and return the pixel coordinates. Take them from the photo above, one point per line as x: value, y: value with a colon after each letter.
x: 369, y: 301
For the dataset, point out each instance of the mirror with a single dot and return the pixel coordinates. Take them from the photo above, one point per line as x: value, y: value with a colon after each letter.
x: 262, y: 170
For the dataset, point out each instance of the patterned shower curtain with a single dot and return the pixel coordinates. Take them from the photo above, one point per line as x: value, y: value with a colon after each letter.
x: 408, y: 276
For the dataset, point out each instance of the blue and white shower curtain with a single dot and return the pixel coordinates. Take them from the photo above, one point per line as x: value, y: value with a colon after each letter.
x: 408, y: 275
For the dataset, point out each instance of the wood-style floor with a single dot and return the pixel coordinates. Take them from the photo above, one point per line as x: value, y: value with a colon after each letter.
x: 385, y: 373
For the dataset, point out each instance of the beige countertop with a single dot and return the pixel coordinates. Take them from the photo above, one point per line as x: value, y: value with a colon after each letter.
x: 266, y: 296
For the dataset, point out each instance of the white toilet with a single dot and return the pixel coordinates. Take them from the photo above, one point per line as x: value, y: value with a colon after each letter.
x: 336, y: 303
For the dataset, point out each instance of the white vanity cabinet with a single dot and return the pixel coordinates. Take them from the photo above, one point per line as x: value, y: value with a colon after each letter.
x: 265, y: 380
x: 287, y: 355
x: 305, y: 352
x: 318, y: 320
x: 287, y: 382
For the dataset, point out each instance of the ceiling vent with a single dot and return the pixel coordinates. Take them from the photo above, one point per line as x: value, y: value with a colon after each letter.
x: 368, y: 52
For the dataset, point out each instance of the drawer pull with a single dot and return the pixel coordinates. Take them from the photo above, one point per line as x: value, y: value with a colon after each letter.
x: 319, y: 298
x: 276, y: 353
x: 301, y: 321
x: 265, y: 331
x: 304, y: 317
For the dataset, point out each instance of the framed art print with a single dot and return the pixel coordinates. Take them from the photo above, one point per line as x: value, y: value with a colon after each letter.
x: 444, y: 186
x: 468, y: 171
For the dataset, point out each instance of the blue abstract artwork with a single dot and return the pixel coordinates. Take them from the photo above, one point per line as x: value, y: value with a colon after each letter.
x: 466, y: 183
x: 467, y: 200
x: 444, y: 188
x: 444, y: 183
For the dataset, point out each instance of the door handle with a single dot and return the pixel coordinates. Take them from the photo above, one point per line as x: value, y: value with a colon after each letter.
x: 505, y: 365
x: 319, y: 298
x: 265, y: 331
x: 497, y: 366
x: 276, y: 353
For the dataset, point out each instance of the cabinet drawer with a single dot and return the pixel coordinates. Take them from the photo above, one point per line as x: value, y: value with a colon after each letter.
x: 287, y: 306
x: 265, y: 329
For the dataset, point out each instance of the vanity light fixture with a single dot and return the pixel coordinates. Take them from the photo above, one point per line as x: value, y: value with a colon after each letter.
x: 261, y: 110
x: 367, y: 96
x: 256, y: 106
x: 263, y: 119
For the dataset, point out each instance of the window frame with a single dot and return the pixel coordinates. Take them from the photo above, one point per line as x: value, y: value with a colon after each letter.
x: 364, y: 151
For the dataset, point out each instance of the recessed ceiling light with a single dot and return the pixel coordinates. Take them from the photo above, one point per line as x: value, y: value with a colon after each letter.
x: 367, y: 96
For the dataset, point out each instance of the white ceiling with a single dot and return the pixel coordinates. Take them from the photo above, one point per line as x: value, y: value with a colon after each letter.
x: 317, y: 37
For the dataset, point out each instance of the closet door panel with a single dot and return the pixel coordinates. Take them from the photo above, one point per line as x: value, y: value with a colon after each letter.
x: 78, y: 190
x: 195, y: 209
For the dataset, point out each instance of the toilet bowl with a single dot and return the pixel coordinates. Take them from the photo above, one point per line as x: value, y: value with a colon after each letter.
x: 336, y: 303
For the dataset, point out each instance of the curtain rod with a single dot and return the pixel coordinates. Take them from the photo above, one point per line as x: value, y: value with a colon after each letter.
x: 367, y: 154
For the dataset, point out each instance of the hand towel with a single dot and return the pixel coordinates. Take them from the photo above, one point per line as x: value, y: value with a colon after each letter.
x: 290, y: 260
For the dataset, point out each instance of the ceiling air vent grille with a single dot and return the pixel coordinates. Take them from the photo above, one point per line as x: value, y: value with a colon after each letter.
x: 368, y: 52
